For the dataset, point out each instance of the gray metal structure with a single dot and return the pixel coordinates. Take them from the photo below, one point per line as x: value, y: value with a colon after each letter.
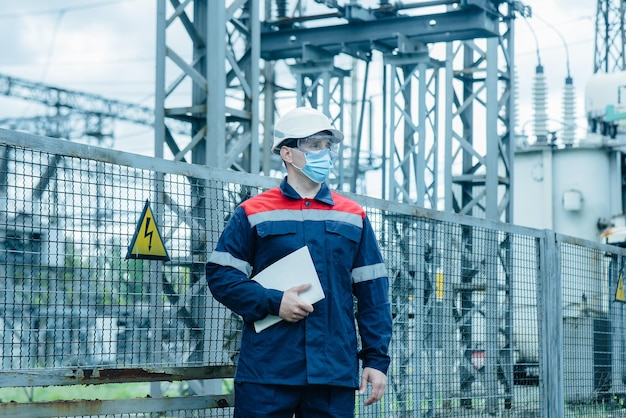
x: 75, y: 114
x: 610, y: 37
x: 227, y: 100
x: 223, y: 79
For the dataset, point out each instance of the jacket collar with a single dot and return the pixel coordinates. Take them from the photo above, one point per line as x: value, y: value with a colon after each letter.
x: 323, y: 195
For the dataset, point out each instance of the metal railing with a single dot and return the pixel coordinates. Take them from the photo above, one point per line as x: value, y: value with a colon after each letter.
x: 489, y: 318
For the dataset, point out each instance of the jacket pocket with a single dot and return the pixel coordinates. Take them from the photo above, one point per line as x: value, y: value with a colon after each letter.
x: 268, y: 229
x: 349, y: 232
x: 275, y: 240
x: 342, y: 242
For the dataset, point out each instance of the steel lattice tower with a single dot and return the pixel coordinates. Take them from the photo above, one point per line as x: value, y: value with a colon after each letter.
x: 610, y: 37
x: 447, y: 119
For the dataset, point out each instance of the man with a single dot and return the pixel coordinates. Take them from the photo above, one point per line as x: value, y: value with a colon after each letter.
x: 308, y: 363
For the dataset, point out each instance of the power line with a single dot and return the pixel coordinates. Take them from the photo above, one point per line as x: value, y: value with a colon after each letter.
x: 560, y: 35
x: 16, y: 15
x: 55, y: 31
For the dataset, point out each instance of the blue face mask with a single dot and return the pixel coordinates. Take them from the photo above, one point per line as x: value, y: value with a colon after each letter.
x: 318, y: 165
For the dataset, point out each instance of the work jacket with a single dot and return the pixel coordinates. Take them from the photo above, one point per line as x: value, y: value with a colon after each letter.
x: 322, y: 348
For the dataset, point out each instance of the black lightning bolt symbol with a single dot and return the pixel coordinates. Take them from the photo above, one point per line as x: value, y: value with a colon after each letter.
x: 147, y: 233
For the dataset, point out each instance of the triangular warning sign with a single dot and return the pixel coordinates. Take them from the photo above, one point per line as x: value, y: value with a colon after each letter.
x: 619, y: 293
x: 147, y: 242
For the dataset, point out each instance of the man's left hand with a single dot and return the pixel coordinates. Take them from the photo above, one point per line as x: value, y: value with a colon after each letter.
x: 378, y: 380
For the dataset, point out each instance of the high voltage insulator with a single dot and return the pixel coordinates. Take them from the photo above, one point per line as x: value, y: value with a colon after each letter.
x: 568, y: 134
x: 540, y: 105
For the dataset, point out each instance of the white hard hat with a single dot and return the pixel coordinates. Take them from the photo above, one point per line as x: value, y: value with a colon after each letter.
x: 302, y: 122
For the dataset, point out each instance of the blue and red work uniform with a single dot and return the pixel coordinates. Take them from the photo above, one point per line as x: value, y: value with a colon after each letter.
x: 322, y: 348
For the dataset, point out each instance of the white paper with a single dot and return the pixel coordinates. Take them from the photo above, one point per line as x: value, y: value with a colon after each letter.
x: 292, y: 270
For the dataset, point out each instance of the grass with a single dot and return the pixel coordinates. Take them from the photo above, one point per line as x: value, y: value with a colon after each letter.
x: 91, y: 392
x: 83, y: 392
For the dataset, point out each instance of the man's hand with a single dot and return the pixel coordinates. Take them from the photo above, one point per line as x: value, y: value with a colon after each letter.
x: 292, y: 308
x: 378, y: 380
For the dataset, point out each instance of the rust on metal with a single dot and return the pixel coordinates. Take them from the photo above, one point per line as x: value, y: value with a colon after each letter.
x: 133, y: 374
x: 222, y: 403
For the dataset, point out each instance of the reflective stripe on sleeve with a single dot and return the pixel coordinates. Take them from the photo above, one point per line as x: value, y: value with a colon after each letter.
x: 226, y: 259
x: 365, y: 273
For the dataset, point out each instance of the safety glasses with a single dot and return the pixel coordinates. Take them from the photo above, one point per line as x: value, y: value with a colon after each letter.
x: 317, y: 143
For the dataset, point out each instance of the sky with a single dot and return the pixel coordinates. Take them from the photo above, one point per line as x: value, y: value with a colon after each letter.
x: 108, y: 48
x: 101, y: 47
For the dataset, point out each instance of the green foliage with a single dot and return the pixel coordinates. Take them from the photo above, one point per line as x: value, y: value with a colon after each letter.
x: 57, y: 393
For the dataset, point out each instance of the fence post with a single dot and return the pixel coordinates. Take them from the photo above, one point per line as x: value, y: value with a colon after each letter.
x: 551, y: 327
x: 492, y: 315
x: 617, y: 318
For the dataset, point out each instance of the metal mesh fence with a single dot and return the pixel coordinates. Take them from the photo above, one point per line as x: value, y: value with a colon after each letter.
x: 468, y: 296
x: 70, y: 296
x: 594, y: 360
x: 454, y: 296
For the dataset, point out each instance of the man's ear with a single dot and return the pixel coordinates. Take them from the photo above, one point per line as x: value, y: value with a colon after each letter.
x: 286, y: 154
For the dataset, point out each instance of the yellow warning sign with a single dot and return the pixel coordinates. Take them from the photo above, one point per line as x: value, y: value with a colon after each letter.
x: 147, y: 242
x: 619, y: 293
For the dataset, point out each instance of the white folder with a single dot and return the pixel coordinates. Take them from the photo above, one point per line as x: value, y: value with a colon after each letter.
x: 292, y: 270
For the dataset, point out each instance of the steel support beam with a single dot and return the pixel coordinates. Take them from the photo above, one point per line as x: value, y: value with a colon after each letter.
x: 466, y: 23
x: 413, y: 128
x: 223, y: 105
x: 479, y: 126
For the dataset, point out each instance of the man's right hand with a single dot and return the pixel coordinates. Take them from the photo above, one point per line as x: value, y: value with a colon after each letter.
x: 292, y: 308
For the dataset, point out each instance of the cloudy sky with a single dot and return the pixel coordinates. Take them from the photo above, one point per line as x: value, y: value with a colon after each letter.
x: 107, y: 47
x: 102, y: 47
